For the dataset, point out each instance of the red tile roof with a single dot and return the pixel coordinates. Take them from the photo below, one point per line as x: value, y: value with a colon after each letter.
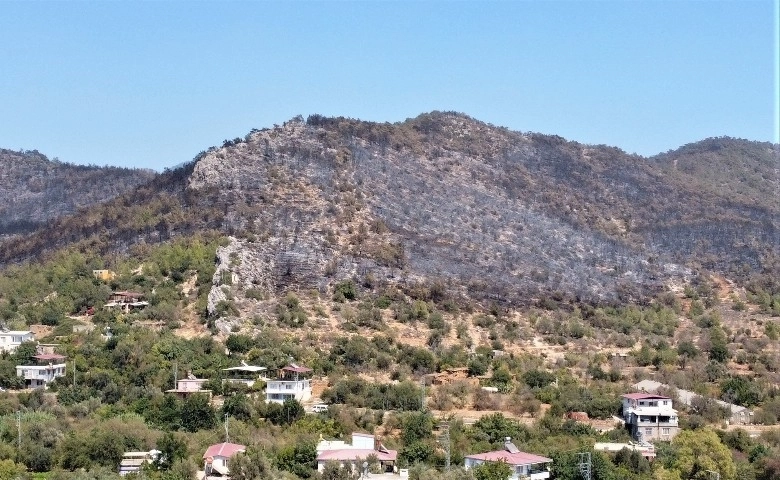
x: 49, y: 356
x: 297, y: 369
x: 519, y: 458
x: 347, y: 454
x: 224, y: 450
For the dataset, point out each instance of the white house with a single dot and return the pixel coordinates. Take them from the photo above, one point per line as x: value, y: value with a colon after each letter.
x: 49, y: 367
x: 293, y: 381
x: 650, y: 416
x: 11, y: 339
x: 739, y: 414
x: 217, y: 456
x: 363, y: 445
x: 523, y: 465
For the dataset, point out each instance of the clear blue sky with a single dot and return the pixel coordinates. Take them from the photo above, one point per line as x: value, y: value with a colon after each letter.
x: 150, y: 84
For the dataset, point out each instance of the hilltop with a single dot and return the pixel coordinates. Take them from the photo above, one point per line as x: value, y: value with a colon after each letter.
x: 34, y: 189
x: 525, y: 280
x: 494, y: 214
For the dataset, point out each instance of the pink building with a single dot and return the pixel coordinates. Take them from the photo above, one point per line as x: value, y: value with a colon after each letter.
x: 523, y: 465
x: 217, y: 456
x: 363, y: 445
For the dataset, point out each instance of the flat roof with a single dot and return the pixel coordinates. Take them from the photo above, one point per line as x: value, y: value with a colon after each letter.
x: 244, y: 368
x: 645, y: 396
x: 519, y: 458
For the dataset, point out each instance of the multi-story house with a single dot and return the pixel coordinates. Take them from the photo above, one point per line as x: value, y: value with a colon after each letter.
x: 293, y: 381
x: 11, y: 339
x: 49, y: 366
x: 650, y: 417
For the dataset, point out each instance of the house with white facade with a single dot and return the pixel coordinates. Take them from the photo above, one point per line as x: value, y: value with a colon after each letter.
x: 11, y: 339
x: 739, y: 415
x: 523, y: 465
x: 48, y: 367
x: 362, y: 447
x: 650, y: 416
x: 293, y: 381
x: 217, y: 457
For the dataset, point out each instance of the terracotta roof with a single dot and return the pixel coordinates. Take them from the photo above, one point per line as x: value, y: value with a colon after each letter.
x: 519, y: 458
x: 49, y: 356
x: 644, y: 396
x: 346, y: 454
x: 297, y: 369
x: 224, y: 450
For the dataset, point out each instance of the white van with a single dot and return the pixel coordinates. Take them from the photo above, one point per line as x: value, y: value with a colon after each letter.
x: 319, y: 408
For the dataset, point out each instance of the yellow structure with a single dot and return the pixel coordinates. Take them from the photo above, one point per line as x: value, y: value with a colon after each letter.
x: 104, y: 275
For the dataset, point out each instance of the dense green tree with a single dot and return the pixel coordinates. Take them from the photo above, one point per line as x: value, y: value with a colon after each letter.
x: 416, y: 426
x: 251, y: 465
x: 172, y: 450
x: 492, y: 471
x: 700, y: 451
x: 334, y: 471
x: 197, y: 414
x: 299, y: 459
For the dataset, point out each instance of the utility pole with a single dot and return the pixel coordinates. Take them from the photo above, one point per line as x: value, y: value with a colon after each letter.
x: 19, y: 430
x: 227, y: 433
x: 175, y: 374
x: 422, y: 394
x: 74, y: 373
x: 584, y: 465
x: 445, y: 426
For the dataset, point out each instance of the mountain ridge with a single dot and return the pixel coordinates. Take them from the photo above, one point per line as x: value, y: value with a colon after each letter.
x: 496, y: 214
x: 35, y: 189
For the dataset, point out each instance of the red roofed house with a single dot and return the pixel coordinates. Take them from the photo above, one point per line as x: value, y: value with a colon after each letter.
x: 216, y: 459
x: 523, y: 465
x: 650, y: 417
x: 49, y: 366
x: 363, y: 445
x: 294, y: 381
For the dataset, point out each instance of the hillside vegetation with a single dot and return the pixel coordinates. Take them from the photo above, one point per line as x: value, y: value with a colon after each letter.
x: 34, y: 189
x: 438, y: 274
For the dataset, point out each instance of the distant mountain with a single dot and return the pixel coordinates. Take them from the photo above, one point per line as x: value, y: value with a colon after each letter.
x: 34, y: 189
x: 483, y: 211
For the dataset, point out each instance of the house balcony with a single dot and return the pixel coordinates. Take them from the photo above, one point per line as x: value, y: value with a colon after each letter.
x: 283, y: 387
x: 651, y: 421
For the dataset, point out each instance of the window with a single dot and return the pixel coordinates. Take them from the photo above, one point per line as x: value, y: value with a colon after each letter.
x: 666, y: 402
x: 648, y: 431
x: 666, y: 431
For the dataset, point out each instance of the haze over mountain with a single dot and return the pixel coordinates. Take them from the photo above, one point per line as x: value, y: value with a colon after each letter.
x: 34, y: 189
x: 487, y: 212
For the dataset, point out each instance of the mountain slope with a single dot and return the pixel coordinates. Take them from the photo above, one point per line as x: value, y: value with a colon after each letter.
x: 443, y: 198
x: 34, y: 189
